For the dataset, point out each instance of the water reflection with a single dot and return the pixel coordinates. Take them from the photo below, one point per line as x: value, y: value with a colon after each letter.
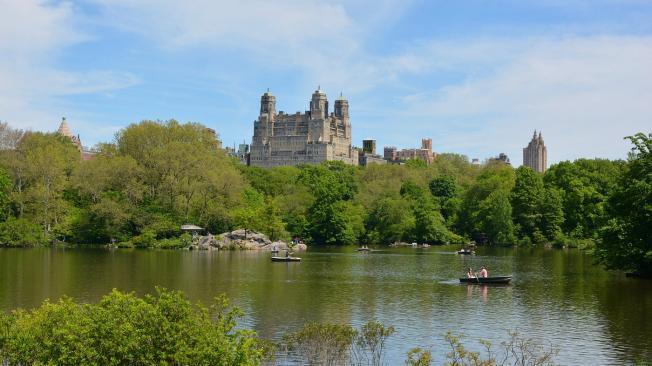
x: 478, y: 292
x: 558, y: 296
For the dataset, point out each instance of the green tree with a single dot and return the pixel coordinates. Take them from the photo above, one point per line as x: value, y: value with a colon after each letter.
x: 249, y: 216
x: 429, y: 226
x: 552, y: 214
x: 472, y: 215
x: 445, y: 190
x: 5, y: 192
x: 495, y: 218
x: 526, y: 200
x: 332, y: 184
x: 443, y: 187
x: 626, y: 241
x: 40, y: 167
x: 390, y: 220
x: 584, y: 186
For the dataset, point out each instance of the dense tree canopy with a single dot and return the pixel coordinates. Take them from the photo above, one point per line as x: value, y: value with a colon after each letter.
x: 627, y: 238
x: 157, y: 175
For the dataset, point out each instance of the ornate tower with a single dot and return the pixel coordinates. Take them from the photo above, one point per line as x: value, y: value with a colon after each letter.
x: 319, y: 105
x: 268, y: 104
x: 341, y: 107
x: 535, y: 155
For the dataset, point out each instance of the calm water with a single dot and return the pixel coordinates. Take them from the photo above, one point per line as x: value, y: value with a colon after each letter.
x: 593, y: 316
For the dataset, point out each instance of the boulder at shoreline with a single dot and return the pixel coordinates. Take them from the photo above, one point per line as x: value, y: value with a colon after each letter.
x: 239, y: 239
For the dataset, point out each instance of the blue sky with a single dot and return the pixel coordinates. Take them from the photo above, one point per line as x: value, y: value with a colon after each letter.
x: 476, y: 76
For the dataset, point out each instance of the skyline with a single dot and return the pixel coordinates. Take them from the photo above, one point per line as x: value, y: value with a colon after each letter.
x: 477, y: 78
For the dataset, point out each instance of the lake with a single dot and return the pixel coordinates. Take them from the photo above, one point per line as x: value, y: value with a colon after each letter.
x: 559, y: 296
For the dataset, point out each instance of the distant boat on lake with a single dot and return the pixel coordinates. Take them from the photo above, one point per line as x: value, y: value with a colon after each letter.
x: 487, y: 280
x: 286, y: 259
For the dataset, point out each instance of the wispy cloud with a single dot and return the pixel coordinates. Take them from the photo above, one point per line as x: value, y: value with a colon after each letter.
x: 33, y: 34
x: 585, y: 93
x: 473, y: 92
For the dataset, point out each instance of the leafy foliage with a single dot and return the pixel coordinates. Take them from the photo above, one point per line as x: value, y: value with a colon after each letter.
x: 158, y: 175
x: 627, y: 238
x: 124, y: 329
x: 338, y: 344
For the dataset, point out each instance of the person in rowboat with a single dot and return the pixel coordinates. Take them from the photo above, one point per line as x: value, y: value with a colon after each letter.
x: 483, y: 272
x: 470, y: 273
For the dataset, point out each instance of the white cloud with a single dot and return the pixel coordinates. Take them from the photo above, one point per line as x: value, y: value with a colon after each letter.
x: 323, y: 39
x: 33, y: 34
x: 258, y: 25
x: 585, y: 93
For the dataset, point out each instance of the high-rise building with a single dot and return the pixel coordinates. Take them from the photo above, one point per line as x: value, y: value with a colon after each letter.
x: 535, y: 155
x: 311, y: 137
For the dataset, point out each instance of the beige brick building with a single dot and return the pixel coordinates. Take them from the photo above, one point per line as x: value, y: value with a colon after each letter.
x: 535, y: 155
x: 302, y: 138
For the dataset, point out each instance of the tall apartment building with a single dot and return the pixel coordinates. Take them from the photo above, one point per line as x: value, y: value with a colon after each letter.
x: 535, y: 155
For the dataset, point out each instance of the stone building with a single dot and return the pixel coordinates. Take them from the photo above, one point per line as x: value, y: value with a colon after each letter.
x: 535, y: 155
x: 424, y: 153
x: 369, y: 146
x: 368, y: 154
x: 502, y: 157
x: 390, y: 153
x: 302, y: 138
x: 64, y: 130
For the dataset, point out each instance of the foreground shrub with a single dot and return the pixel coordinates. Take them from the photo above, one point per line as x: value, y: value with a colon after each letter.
x: 123, y: 329
x: 418, y: 357
x: 335, y: 344
x: 517, y: 351
x: 321, y: 344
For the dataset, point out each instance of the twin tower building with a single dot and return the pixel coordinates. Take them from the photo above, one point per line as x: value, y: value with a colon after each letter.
x: 318, y: 135
x: 314, y: 136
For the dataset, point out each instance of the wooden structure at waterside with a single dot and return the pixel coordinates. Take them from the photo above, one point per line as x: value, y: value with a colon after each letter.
x: 192, y: 229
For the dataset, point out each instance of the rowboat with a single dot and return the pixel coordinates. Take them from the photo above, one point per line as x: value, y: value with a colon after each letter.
x: 465, y: 251
x: 363, y: 249
x: 486, y: 280
x: 286, y: 259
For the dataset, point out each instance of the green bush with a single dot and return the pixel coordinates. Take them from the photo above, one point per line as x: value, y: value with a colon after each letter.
x: 21, y: 233
x: 123, y: 329
x: 562, y: 241
x: 125, y: 245
x: 145, y: 240
x: 181, y: 242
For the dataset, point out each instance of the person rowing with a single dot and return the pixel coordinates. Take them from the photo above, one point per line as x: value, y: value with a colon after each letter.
x: 483, y: 272
x: 470, y: 273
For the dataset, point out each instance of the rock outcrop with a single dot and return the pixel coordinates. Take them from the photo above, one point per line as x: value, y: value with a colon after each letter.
x: 239, y: 239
